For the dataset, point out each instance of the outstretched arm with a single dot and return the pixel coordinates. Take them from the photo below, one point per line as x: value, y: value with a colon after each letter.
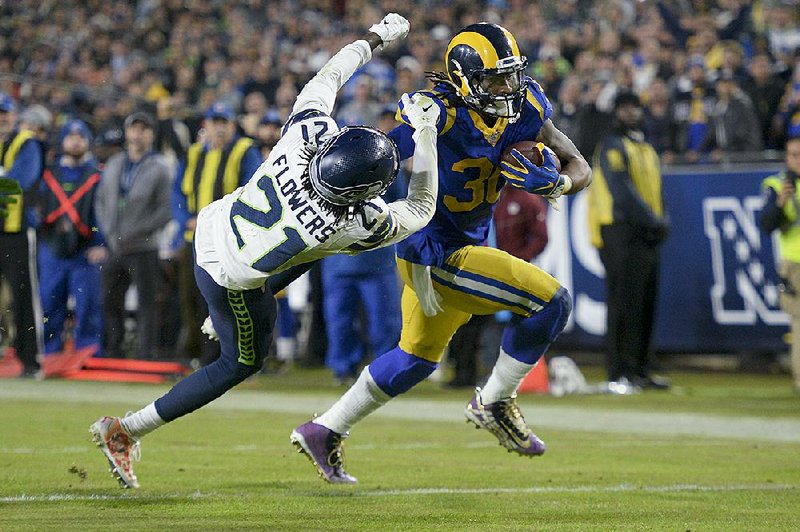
x: 416, y: 210
x: 320, y: 92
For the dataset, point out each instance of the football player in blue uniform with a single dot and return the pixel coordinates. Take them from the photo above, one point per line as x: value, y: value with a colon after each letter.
x: 486, y: 105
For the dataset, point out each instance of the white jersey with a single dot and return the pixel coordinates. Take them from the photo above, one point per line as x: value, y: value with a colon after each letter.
x: 272, y: 223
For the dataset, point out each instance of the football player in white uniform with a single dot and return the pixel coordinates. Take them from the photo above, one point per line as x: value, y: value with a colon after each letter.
x: 317, y: 194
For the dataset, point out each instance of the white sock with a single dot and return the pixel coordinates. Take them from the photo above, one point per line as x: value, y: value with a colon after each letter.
x: 506, y: 376
x: 137, y: 424
x: 363, y: 398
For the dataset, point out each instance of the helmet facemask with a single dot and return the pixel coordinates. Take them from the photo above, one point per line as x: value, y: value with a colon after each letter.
x: 497, y: 92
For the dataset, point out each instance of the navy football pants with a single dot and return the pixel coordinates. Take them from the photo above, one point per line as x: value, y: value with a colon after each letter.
x: 244, y: 321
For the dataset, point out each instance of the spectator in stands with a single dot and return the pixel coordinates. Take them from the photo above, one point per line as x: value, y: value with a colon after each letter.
x: 21, y: 159
x: 734, y: 126
x: 765, y: 91
x: 214, y: 167
x: 592, y: 121
x: 364, y: 107
x: 693, y: 99
x: 268, y: 134
x: 788, y: 118
x: 627, y: 224
x: 173, y: 136
x: 70, y: 250
x: 108, y: 143
x: 132, y: 207
x: 255, y: 108
x: 38, y: 120
x: 567, y: 106
x: 780, y: 213
x: 659, y: 124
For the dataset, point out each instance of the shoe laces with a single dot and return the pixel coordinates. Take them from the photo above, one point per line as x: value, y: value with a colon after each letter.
x: 336, y: 454
x: 508, y: 414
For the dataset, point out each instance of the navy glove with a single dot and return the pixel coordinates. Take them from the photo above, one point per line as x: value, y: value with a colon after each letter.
x: 543, y: 180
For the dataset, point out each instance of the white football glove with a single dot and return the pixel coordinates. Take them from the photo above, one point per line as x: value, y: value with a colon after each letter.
x: 429, y: 298
x: 393, y: 27
x: 421, y: 111
x: 208, y: 329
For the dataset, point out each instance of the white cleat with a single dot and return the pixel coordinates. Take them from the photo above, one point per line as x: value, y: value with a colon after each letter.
x: 119, y: 449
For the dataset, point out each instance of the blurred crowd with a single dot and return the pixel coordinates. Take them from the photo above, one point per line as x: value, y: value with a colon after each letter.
x: 717, y: 79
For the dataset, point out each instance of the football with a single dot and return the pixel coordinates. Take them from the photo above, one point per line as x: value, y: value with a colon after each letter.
x: 532, y: 150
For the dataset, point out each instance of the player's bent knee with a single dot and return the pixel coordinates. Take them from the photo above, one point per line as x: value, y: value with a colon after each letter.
x: 234, y: 371
x: 396, y: 371
x: 528, y: 338
x: 560, y: 307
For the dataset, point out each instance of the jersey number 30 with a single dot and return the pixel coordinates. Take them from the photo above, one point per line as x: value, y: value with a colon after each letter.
x: 291, y: 244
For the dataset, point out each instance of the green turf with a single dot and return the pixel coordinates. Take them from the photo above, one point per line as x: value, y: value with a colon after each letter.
x: 231, y: 466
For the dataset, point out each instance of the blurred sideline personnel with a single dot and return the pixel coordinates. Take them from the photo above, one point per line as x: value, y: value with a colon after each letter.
x: 362, y: 296
x: 21, y: 159
x: 213, y: 167
x: 316, y: 195
x: 70, y: 250
x: 487, y: 104
x: 627, y: 224
x: 132, y: 207
x: 782, y: 212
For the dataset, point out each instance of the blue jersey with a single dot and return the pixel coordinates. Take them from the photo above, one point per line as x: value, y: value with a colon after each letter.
x: 469, y: 171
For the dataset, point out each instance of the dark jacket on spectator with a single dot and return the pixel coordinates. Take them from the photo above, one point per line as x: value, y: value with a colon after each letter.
x: 734, y: 126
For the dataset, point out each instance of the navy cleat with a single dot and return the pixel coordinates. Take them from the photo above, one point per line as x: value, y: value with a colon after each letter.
x: 503, y: 419
x: 324, y: 448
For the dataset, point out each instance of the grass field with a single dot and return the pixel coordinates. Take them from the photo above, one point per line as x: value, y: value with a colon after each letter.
x: 718, y: 452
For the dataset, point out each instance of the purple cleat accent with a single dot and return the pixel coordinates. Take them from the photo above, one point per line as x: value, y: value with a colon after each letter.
x: 324, y: 448
x: 504, y: 420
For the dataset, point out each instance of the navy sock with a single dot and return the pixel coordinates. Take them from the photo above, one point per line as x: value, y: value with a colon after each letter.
x: 396, y: 371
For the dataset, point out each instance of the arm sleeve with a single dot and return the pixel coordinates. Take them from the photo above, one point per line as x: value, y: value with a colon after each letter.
x: 628, y: 204
x: 416, y: 210
x: 320, y: 92
x: 27, y: 166
x: 772, y: 217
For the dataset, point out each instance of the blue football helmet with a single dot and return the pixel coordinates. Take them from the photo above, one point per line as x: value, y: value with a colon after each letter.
x: 354, y: 165
x: 485, y: 67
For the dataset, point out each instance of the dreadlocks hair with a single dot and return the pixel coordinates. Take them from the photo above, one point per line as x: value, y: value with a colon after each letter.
x: 339, y: 212
x: 438, y: 77
x: 449, y: 91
